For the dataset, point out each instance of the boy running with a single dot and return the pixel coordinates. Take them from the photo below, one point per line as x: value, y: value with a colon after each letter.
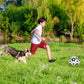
x: 36, y: 40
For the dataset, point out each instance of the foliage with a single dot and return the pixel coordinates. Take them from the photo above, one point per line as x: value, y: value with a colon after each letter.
x: 26, y: 34
x: 73, y: 9
x: 58, y: 10
x: 63, y: 39
x: 2, y: 2
x: 52, y: 36
x: 21, y: 19
x: 80, y: 32
x: 43, y: 9
x: 14, y: 27
x: 60, y: 15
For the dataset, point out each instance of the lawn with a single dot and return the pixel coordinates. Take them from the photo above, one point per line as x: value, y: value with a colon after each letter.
x: 39, y: 71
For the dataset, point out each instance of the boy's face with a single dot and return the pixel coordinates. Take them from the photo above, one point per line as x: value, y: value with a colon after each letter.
x: 43, y: 23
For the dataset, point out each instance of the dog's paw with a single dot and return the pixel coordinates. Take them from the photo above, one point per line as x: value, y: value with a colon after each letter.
x: 25, y: 62
x: 16, y: 61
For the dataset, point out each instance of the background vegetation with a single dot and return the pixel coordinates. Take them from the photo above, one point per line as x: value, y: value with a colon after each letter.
x: 19, y: 19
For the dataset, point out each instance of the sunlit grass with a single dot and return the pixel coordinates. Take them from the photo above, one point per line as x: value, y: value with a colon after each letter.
x: 39, y: 71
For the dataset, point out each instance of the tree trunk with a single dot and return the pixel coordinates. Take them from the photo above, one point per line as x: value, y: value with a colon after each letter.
x: 71, y: 34
x: 72, y: 25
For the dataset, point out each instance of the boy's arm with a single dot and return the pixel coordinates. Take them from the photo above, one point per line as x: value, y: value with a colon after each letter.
x: 37, y: 33
x: 32, y: 32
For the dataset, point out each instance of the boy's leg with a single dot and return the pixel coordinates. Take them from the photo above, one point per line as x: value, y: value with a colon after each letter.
x: 46, y: 46
x: 48, y: 52
x: 49, y: 55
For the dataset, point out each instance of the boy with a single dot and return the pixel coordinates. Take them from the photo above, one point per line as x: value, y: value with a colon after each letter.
x: 36, y: 40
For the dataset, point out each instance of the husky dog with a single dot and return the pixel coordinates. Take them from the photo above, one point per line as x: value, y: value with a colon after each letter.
x: 18, y: 54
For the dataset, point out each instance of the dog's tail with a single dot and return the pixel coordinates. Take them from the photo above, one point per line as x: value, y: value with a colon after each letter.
x: 3, y: 46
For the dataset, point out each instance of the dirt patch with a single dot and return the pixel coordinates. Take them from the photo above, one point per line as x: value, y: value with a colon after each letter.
x: 1, y: 38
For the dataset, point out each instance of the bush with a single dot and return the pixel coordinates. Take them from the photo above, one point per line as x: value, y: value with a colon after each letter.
x: 20, y: 19
x: 26, y: 34
x: 15, y: 27
x: 52, y: 36
x: 63, y: 39
x: 80, y: 32
x: 82, y: 36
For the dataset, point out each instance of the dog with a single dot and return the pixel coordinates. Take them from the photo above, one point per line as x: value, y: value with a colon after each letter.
x: 18, y: 54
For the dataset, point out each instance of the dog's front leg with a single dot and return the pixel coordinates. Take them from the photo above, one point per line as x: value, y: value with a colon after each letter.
x: 24, y: 60
x: 16, y: 60
x: 17, y: 55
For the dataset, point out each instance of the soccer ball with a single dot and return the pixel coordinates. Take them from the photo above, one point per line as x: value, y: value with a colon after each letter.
x: 74, y: 60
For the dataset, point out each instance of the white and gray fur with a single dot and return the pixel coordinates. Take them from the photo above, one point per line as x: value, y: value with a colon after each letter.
x: 18, y: 54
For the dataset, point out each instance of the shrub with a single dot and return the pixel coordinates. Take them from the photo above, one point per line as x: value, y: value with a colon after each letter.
x: 26, y: 34
x: 82, y: 36
x: 14, y: 27
x: 52, y: 36
x: 80, y: 32
x: 63, y: 39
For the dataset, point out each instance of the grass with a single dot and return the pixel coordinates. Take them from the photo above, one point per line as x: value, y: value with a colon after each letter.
x: 39, y: 71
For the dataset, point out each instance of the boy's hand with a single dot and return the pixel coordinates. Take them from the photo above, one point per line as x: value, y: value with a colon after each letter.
x: 43, y: 38
x: 32, y: 33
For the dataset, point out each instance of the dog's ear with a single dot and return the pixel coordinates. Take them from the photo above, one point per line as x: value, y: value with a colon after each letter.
x: 26, y: 50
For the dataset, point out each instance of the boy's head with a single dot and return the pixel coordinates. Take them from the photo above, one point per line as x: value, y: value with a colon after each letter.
x: 42, y: 21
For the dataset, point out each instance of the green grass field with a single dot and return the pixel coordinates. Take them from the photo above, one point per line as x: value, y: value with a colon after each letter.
x: 39, y: 71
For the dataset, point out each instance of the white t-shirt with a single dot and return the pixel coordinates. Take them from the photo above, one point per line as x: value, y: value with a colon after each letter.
x: 35, y: 38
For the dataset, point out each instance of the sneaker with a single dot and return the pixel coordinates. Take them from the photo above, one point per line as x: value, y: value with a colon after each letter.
x: 52, y: 60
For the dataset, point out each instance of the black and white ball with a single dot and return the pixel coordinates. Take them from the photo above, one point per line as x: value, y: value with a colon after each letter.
x: 74, y: 60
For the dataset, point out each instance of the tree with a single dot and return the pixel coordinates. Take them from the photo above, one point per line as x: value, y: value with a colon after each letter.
x: 43, y: 10
x: 24, y: 2
x: 72, y: 9
x: 2, y: 2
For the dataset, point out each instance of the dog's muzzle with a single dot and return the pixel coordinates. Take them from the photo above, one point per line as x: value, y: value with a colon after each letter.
x: 28, y: 54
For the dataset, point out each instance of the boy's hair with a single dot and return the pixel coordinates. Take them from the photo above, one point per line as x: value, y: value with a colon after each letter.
x: 42, y: 19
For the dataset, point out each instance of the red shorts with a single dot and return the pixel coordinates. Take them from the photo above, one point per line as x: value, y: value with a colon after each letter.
x: 35, y: 46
